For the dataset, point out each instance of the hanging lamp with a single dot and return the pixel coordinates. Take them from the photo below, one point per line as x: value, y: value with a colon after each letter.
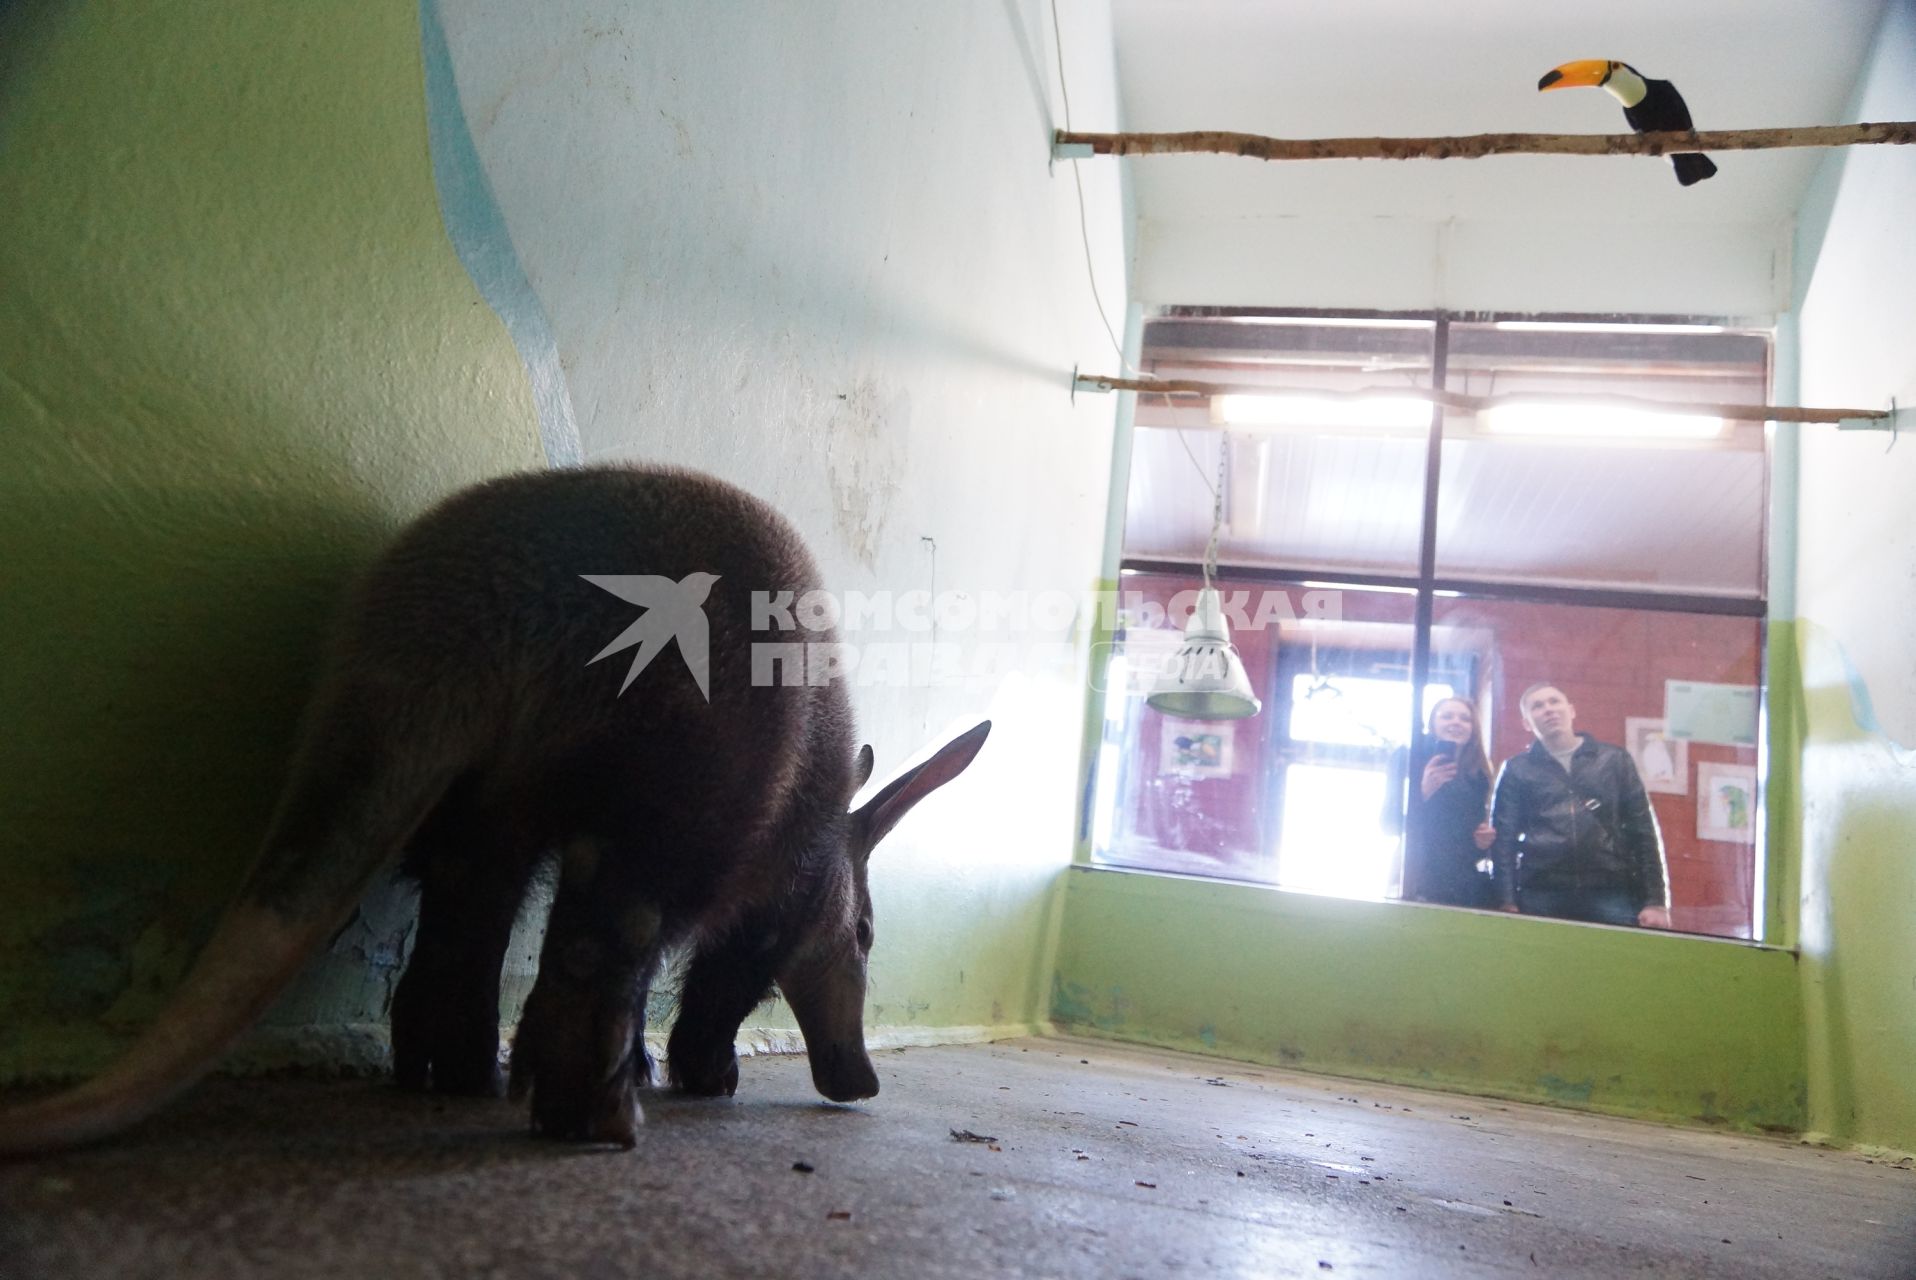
x: 1207, y: 680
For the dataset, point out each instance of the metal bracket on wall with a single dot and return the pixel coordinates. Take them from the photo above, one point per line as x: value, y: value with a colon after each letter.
x: 1889, y: 422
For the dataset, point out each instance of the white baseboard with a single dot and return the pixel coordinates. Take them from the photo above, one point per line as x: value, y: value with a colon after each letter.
x: 785, y: 1040
x: 365, y: 1048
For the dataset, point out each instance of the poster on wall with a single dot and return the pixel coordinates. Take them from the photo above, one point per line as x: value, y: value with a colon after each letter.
x: 1697, y: 711
x: 1191, y: 749
x: 1663, y: 762
x: 1725, y: 802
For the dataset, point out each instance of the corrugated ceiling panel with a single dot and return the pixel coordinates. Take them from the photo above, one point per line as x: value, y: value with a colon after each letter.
x: 1667, y: 516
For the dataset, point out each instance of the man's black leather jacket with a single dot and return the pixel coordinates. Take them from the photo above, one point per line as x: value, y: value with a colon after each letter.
x: 1589, y: 829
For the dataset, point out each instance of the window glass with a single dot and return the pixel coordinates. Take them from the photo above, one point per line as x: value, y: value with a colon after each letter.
x: 1615, y: 667
x: 1615, y: 554
x: 1311, y: 478
x: 1549, y: 490
x: 1267, y: 798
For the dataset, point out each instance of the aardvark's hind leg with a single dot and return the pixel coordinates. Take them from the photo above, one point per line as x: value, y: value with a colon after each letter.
x: 473, y: 871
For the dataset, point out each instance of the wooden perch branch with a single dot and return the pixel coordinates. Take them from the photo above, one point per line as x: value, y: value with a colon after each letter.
x: 1485, y: 144
x: 1477, y: 404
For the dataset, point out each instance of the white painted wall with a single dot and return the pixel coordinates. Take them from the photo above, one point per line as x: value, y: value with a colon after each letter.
x: 817, y: 249
x: 1414, y: 264
x: 1515, y: 232
x: 1856, y: 336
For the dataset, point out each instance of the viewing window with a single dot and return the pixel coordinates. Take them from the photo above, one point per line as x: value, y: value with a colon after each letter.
x: 1378, y: 556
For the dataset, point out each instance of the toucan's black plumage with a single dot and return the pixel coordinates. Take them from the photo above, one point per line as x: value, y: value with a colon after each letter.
x: 1649, y: 106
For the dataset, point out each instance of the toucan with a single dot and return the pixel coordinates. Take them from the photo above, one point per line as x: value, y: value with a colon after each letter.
x: 1649, y: 106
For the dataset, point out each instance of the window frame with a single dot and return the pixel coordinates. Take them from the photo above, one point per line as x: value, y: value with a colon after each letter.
x: 1426, y: 585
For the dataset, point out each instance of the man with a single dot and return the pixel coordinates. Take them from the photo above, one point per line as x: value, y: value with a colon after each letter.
x: 1576, y: 837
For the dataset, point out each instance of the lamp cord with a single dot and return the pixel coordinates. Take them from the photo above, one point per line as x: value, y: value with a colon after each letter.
x: 1217, y: 507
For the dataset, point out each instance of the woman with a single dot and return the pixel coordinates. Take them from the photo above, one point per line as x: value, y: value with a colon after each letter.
x: 1448, y: 832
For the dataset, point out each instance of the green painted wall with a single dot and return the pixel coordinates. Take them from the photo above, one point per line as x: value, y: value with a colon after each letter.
x: 1632, y: 1023
x: 1859, y: 949
x: 236, y: 349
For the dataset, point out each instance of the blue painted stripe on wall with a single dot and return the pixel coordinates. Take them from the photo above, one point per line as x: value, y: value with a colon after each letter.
x: 479, y: 236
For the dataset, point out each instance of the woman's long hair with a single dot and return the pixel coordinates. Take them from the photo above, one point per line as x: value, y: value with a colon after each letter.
x: 1472, y: 760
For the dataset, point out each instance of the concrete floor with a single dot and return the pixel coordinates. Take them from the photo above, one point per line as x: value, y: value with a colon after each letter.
x: 1106, y: 1162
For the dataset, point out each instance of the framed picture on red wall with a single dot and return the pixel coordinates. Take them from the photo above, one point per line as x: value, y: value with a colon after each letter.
x: 1725, y: 801
x: 1662, y: 762
x: 1195, y: 748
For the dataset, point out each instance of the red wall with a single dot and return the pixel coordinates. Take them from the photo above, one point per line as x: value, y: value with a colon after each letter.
x: 1612, y: 664
x: 1216, y: 826
x: 1202, y: 826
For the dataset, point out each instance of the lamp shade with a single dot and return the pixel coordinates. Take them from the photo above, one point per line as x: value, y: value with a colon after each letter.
x: 1207, y: 679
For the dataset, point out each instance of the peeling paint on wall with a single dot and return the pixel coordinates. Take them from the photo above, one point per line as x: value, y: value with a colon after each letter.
x: 865, y: 435
x: 1070, y: 1002
x: 1828, y: 664
x: 1557, y: 1089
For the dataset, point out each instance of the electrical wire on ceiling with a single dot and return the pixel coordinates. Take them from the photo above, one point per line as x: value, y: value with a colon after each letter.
x: 1084, y: 230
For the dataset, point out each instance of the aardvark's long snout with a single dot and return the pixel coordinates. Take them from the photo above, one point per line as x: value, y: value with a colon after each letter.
x: 827, y: 997
x: 843, y: 1072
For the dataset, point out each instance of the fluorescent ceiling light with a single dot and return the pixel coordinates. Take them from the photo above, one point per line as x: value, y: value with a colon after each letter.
x: 1570, y: 326
x: 1315, y: 585
x: 1597, y: 421
x: 1355, y: 413
x: 1332, y: 322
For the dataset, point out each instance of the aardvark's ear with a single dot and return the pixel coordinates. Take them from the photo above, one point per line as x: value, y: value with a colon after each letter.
x: 881, y: 813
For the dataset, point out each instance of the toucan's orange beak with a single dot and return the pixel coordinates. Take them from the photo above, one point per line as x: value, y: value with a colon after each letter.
x: 1588, y: 73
